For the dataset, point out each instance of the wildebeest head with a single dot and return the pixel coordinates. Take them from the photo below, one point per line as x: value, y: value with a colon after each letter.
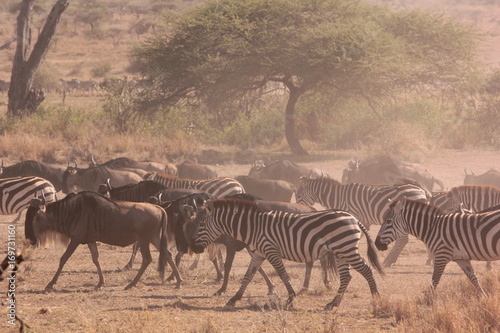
x: 36, y: 207
x: 105, y: 188
x: 69, y: 177
x: 349, y: 174
x: 195, y: 213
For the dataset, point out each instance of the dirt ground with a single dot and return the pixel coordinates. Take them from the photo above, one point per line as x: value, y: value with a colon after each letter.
x: 75, y: 306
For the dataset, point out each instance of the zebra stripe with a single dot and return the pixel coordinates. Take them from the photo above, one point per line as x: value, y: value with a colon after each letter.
x: 368, y: 203
x: 17, y: 192
x: 218, y: 187
x: 474, y: 198
x: 278, y: 235
x: 449, y: 237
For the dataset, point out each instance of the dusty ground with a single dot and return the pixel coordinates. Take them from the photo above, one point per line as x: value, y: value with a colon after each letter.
x: 74, y: 306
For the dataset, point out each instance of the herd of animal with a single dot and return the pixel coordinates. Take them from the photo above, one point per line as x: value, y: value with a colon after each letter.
x: 187, y: 207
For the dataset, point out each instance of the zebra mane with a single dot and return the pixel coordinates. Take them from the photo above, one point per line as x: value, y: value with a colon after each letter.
x: 150, y: 175
x: 418, y: 205
x: 324, y: 179
x: 243, y: 203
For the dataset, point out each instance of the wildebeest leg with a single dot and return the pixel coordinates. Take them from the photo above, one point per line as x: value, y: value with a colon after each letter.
x: 69, y: 251
x: 178, y: 258
x: 95, y: 258
x: 146, y: 260
x: 399, y: 245
x: 132, y: 257
x: 194, y: 265
x: 175, y: 271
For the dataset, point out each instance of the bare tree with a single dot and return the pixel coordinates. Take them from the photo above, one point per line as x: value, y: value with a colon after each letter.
x: 22, y: 97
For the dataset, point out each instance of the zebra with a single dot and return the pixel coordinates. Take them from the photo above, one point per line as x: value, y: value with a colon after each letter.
x: 218, y: 187
x: 473, y: 198
x: 368, y: 203
x: 278, y: 235
x: 17, y: 192
x: 459, y: 237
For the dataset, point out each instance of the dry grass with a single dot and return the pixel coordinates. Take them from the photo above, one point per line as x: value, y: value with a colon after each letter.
x: 454, y: 308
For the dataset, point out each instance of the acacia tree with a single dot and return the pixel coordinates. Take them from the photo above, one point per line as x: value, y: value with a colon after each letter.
x: 21, y: 95
x: 219, y: 51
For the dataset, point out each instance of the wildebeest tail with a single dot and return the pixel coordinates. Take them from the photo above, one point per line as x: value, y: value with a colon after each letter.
x: 372, y: 252
x: 162, y: 262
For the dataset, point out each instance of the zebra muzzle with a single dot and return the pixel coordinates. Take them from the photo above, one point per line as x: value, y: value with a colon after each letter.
x: 380, y: 246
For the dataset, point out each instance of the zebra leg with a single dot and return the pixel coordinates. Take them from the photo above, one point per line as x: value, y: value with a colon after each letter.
x: 146, y: 260
x: 69, y: 251
x: 345, y: 278
x: 277, y: 262
x: 132, y: 257
x: 439, y: 266
x: 399, y: 245
x: 307, y: 278
x: 252, y: 268
x: 469, y: 271
x: 18, y: 218
x: 95, y: 259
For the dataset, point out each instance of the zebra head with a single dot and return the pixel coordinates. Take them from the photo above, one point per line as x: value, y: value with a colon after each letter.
x: 305, y: 193
x: 393, y: 224
x: 198, y: 226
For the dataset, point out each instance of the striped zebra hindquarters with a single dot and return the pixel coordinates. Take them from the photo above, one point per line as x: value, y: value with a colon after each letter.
x: 17, y: 192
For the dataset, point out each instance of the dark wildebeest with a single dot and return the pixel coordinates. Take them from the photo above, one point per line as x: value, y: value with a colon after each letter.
x: 90, y: 179
x: 267, y: 189
x: 385, y: 170
x: 34, y: 168
x: 233, y: 245
x: 125, y: 163
x: 192, y: 170
x: 89, y: 217
x: 283, y: 170
x: 490, y: 177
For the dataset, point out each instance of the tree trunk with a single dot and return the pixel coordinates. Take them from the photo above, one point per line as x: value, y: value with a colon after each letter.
x: 22, y: 98
x: 290, y: 134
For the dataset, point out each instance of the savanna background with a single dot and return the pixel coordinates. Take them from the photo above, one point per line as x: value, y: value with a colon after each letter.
x: 94, y: 41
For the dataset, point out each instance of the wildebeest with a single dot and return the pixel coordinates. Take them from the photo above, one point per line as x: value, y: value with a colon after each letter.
x: 267, y: 189
x: 490, y: 177
x: 34, y: 168
x: 385, y: 170
x: 89, y: 179
x: 89, y: 217
x: 283, y: 170
x: 128, y: 163
x: 192, y: 170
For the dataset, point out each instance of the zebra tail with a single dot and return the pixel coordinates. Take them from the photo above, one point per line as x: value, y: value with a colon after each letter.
x: 162, y: 262
x: 372, y: 251
x: 332, y: 264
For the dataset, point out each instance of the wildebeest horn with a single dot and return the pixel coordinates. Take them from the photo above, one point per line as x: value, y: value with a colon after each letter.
x: 194, y: 203
x: 159, y: 198
x: 108, y: 184
x: 43, y: 198
x: 93, y: 160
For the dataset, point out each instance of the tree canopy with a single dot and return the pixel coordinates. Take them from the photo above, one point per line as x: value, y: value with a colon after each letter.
x: 219, y: 51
